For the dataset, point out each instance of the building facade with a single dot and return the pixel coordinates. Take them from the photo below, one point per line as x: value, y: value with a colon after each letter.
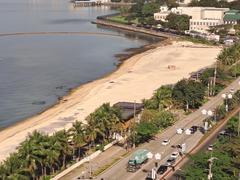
x: 201, y: 17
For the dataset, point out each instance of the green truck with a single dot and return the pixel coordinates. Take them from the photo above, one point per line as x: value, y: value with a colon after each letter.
x: 137, y: 159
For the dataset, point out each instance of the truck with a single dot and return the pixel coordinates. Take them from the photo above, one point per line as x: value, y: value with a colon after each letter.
x: 137, y: 159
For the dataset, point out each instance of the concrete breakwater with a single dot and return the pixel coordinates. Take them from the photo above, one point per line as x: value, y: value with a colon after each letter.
x: 104, y: 22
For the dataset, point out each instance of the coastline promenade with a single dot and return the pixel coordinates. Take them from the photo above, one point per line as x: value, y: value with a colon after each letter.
x: 130, y: 82
x: 136, y: 29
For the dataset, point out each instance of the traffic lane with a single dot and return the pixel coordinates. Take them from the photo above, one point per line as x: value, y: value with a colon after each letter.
x: 156, y: 147
x: 119, y: 170
x: 168, y: 150
x: 190, y: 140
x: 211, y: 104
x: 203, y: 146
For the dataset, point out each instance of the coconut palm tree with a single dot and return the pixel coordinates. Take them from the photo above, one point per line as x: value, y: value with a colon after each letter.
x: 62, y: 138
x: 78, y: 132
x: 164, y: 96
x: 30, y: 153
x: 93, y: 130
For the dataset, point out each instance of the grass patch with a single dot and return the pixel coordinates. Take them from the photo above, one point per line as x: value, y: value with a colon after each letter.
x: 199, y: 40
x: 121, y: 20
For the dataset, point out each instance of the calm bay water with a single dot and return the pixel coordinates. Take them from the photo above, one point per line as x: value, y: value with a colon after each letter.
x: 37, y: 69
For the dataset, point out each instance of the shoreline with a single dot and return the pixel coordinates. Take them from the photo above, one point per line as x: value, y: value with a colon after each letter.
x: 121, y: 58
x: 132, y: 73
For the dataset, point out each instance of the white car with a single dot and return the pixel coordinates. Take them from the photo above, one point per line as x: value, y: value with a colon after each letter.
x: 231, y: 90
x: 175, y: 155
x: 210, y: 147
x: 166, y: 142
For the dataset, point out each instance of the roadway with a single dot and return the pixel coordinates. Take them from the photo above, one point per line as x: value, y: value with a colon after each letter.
x: 118, y: 171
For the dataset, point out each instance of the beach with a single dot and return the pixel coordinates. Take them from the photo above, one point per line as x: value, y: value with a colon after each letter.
x: 134, y: 80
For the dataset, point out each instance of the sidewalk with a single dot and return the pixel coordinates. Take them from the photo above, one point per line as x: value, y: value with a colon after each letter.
x: 106, y: 159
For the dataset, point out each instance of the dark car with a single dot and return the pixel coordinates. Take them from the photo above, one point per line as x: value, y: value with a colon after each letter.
x: 149, y: 176
x: 193, y: 129
x: 162, y: 169
x: 171, y: 161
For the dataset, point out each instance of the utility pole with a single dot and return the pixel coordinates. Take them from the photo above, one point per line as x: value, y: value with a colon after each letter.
x: 208, y: 88
x: 134, y: 123
x: 238, y: 123
x: 214, y: 79
x: 210, y: 175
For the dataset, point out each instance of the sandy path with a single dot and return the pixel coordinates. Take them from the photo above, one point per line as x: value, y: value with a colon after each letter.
x: 136, y: 79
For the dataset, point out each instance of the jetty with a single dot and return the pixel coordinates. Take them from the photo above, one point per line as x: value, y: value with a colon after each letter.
x: 83, y: 3
x: 87, y: 3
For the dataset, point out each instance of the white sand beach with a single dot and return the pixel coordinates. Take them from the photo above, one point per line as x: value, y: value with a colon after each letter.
x: 136, y: 79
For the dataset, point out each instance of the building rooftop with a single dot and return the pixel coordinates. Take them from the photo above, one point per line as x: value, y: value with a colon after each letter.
x: 127, y: 109
x: 232, y: 15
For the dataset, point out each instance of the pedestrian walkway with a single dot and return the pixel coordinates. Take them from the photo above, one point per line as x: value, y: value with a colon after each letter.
x: 106, y: 159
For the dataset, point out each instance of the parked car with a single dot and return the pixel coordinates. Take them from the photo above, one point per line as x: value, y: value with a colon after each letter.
x: 166, y: 142
x: 175, y: 154
x: 210, y: 147
x: 162, y: 169
x: 171, y: 161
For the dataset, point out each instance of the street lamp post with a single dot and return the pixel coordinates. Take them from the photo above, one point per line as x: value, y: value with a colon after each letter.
x: 157, y: 157
x: 207, y: 113
x: 227, y: 97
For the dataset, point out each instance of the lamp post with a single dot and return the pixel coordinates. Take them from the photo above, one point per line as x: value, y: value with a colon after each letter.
x: 157, y: 157
x: 207, y: 113
x: 227, y: 97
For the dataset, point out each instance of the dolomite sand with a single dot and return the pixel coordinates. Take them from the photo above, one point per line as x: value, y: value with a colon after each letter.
x: 136, y: 79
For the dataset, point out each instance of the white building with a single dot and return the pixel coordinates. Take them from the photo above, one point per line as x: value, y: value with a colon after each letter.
x: 201, y: 17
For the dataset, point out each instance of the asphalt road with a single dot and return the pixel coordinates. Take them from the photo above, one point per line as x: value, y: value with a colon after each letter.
x: 119, y: 172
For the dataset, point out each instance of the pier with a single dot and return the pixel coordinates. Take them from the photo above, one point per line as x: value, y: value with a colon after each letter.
x: 87, y: 3
x: 83, y: 3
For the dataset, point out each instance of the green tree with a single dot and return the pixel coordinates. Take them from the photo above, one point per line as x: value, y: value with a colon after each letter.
x: 78, y: 132
x: 145, y: 131
x: 162, y: 98
x: 177, y: 22
x: 189, y: 93
x: 62, y: 138
x: 149, y: 9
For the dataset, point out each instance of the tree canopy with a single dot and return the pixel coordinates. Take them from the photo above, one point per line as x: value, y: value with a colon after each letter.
x: 177, y: 22
x: 189, y: 93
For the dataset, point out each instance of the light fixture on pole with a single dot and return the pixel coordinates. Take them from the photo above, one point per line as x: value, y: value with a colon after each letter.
x: 227, y: 97
x: 157, y: 157
x: 207, y: 113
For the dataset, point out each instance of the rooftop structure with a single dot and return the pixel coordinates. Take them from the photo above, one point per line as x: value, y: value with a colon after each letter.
x: 127, y: 109
x: 232, y: 17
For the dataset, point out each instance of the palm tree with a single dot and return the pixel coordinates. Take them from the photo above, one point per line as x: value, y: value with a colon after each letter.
x: 93, y: 130
x: 102, y: 122
x: 164, y: 96
x: 62, y: 138
x: 30, y: 153
x: 77, y: 133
